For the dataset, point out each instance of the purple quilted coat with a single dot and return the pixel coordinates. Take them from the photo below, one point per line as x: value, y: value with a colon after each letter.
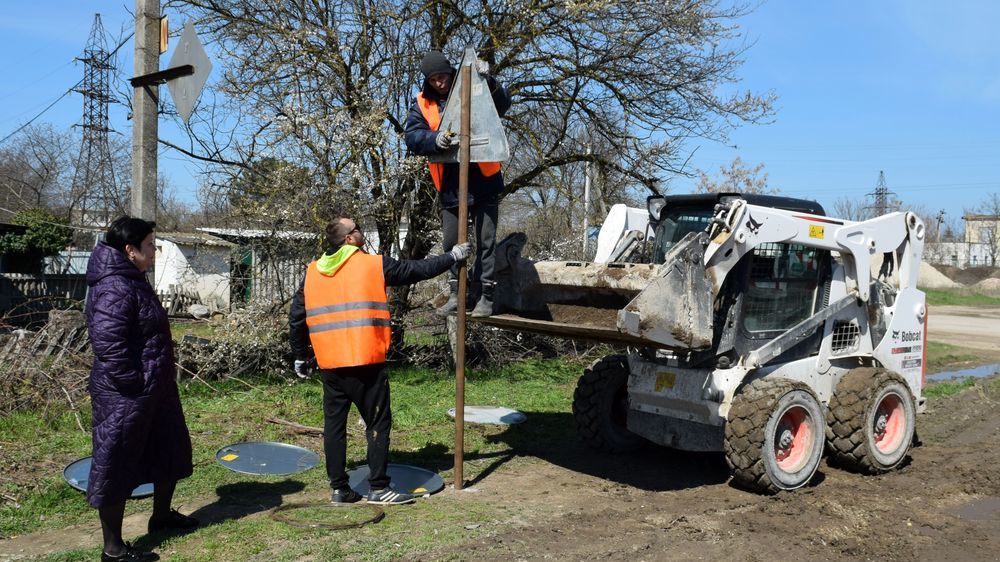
x: 138, y: 426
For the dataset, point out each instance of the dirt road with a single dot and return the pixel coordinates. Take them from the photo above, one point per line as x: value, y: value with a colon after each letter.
x: 966, y: 326
x: 664, y: 505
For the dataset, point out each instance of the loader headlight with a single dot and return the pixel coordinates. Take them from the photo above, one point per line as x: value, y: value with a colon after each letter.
x: 654, y: 205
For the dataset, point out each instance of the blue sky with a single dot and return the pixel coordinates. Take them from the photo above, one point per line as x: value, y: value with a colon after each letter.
x: 908, y: 87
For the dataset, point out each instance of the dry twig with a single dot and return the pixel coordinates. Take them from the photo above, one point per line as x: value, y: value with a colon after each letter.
x: 296, y: 427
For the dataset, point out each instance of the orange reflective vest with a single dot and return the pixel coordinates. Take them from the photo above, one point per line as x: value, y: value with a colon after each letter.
x: 429, y: 109
x: 347, y: 313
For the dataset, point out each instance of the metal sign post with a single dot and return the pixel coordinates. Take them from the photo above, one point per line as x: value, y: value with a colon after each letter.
x: 464, y: 138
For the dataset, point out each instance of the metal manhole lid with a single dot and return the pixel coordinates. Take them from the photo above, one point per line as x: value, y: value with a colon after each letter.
x: 266, y: 458
x: 77, y: 473
x: 403, y: 478
x: 491, y: 414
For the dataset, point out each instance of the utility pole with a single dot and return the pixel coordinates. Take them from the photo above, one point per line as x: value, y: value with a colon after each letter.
x: 145, y: 102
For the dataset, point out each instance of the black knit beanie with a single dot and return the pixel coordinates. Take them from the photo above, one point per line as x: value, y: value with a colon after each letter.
x: 435, y: 62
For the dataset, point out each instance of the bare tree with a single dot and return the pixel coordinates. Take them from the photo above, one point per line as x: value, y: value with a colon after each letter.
x: 737, y: 178
x: 330, y: 84
x: 326, y: 87
x: 36, y: 168
x: 851, y: 208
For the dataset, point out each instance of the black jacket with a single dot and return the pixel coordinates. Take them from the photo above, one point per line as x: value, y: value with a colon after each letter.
x: 420, y: 140
x: 395, y: 272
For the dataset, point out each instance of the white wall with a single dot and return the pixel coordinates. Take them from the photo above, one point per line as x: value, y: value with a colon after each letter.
x: 199, y: 269
x: 958, y: 254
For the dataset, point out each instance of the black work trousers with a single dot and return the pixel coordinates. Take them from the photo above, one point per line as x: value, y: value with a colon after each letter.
x: 367, y: 387
x: 484, y: 217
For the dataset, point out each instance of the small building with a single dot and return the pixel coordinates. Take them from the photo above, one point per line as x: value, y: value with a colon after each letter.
x: 979, y: 248
x: 267, y: 266
x: 195, y: 265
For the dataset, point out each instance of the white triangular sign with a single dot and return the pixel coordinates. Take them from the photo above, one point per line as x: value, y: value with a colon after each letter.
x: 489, y: 141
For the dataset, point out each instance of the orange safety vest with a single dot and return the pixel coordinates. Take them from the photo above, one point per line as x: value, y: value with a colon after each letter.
x: 348, y: 313
x: 429, y: 109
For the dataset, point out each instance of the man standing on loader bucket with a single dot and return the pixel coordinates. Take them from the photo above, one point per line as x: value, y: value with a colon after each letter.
x: 485, y: 179
x: 343, y: 308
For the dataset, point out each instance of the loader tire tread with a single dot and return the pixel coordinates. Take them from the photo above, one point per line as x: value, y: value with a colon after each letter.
x: 846, y: 417
x: 745, y: 432
x: 595, y: 391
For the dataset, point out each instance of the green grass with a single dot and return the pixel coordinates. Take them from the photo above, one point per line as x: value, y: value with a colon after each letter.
x: 959, y: 297
x: 941, y: 389
x: 199, y: 328
x: 943, y: 357
x: 424, y: 337
x: 423, y: 435
x: 40, y: 445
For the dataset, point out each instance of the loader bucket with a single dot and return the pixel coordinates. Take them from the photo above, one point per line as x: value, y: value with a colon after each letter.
x: 600, y: 302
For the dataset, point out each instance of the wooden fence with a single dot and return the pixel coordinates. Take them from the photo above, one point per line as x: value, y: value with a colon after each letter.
x: 26, y: 299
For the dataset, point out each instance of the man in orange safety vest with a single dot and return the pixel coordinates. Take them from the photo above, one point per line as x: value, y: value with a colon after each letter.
x: 340, y: 317
x: 424, y: 138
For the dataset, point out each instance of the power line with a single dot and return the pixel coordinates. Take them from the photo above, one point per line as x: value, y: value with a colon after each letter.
x: 66, y: 93
x: 36, y: 80
x: 42, y: 112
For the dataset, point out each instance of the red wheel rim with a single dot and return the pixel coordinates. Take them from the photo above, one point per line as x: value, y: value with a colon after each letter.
x: 889, y: 425
x: 793, y: 439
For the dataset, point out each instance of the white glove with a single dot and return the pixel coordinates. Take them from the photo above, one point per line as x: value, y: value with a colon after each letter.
x: 461, y: 252
x: 443, y: 139
x: 482, y: 67
x: 302, y: 368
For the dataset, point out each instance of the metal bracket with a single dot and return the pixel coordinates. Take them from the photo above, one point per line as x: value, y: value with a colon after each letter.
x: 162, y: 76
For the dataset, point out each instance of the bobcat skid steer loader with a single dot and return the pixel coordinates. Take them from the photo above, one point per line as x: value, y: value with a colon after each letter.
x: 754, y: 325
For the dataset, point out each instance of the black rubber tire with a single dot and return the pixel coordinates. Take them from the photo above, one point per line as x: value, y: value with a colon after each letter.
x: 600, y: 406
x: 852, y: 438
x: 754, y: 425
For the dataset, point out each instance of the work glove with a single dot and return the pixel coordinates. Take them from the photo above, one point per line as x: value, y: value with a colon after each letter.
x: 460, y: 252
x: 482, y: 67
x: 303, y: 368
x: 443, y: 139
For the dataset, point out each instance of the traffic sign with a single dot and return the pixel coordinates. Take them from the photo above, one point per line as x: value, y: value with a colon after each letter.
x: 186, y: 89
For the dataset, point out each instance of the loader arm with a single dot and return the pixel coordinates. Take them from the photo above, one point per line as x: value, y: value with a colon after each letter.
x: 739, y: 227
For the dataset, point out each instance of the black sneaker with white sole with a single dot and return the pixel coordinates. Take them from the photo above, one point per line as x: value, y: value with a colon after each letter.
x: 388, y: 496
x: 344, y: 496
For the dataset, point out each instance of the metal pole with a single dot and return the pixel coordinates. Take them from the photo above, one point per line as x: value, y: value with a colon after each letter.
x: 144, y: 110
x: 586, y: 200
x: 464, y: 138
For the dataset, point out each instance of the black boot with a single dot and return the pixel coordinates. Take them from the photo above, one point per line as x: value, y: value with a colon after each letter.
x: 450, y: 307
x: 485, y: 305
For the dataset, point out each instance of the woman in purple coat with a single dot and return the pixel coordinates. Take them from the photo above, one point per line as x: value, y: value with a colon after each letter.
x: 139, y: 432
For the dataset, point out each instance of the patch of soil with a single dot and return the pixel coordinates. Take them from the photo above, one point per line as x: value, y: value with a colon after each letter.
x: 968, y: 276
x: 583, y: 315
x: 989, y: 286
x: 666, y: 505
